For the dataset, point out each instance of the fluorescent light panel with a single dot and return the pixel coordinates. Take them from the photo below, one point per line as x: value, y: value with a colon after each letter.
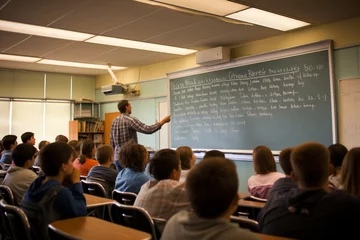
x: 43, y: 31
x: 216, y: 7
x: 118, y: 42
x: 77, y: 64
x: 15, y: 58
x: 267, y: 19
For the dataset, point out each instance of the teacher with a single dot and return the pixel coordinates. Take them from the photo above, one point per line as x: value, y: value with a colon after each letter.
x: 124, y: 128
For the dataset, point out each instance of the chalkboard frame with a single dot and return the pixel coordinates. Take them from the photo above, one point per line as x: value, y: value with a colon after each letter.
x: 260, y: 58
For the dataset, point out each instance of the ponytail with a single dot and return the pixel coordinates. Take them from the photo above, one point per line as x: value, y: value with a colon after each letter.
x: 82, y: 158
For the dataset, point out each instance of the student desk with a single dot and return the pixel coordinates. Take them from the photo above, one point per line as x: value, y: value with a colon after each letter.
x: 91, y: 228
x: 250, y: 204
x: 95, y: 201
x: 269, y: 237
x: 243, y: 195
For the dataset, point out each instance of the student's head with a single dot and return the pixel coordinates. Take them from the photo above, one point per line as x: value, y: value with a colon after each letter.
x: 284, y: 160
x: 42, y: 144
x: 28, y: 137
x: 187, y: 157
x: 133, y: 156
x: 213, y: 153
x: 24, y: 155
x: 212, y: 187
x: 61, y: 138
x: 165, y: 165
x: 76, y: 145
x: 263, y: 160
x: 104, y: 154
x: 87, y: 150
x: 56, y: 158
x: 9, y: 142
x: 124, y: 106
x: 350, y: 172
x: 310, y: 163
x: 337, y: 154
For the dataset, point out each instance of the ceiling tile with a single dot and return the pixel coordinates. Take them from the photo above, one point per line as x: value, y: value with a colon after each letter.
x: 9, y: 39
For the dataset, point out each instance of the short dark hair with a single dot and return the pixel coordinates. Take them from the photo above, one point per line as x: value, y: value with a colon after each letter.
x: 337, y: 154
x: 1, y: 146
x: 22, y: 153
x: 75, y: 144
x: 53, y: 156
x: 61, y: 138
x: 214, y: 153
x: 26, y: 136
x: 132, y: 155
x: 163, y: 163
x: 212, y: 185
x: 284, y: 160
x: 263, y: 160
x: 86, y: 149
x: 185, y: 154
x: 310, y: 163
x: 104, y: 153
x: 122, y: 105
x: 42, y: 144
x: 8, y: 140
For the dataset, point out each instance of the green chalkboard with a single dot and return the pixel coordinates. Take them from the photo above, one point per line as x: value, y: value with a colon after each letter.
x: 278, y: 99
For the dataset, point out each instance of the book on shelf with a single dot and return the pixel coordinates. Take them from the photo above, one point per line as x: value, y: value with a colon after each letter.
x: 91, y: 126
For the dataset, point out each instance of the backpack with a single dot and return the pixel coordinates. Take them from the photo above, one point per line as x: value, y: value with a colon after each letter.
x: 41, y: 214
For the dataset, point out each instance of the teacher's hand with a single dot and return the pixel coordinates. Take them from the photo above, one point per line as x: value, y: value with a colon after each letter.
x: 165, y: 120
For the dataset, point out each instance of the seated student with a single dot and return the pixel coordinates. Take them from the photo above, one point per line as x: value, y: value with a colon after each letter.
x: 105, y: 156
x: 266, y: 175
x: 40, y: 146
x: 187, y: 158
x: 28, y: 137
x: 212, y: 187
x: 133, y: 159
x: 310, y: 212
x: 46, y: 200
x: 9, y: 143
x: 76, y: 145
x: 350, y: 172
x: 286, y: 183
x: 19, y: 176
x: 164, y: 196
x: 213, y: 153
x: 61, y: 138
x: 337, y: 154
x: 85, y: 161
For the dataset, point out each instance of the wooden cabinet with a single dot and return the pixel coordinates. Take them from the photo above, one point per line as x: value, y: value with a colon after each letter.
x: 109, y: 117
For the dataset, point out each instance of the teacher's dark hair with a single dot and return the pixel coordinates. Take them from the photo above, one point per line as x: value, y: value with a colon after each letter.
x: 122, y: 105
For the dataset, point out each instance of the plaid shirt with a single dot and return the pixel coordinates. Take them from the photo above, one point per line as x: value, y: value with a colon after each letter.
x: 124, y: 128
x: 162, y: 199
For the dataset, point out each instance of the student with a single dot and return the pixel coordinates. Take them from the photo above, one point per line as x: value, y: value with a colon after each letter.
x: 47, y: 200
x: 105, y: 156
x: 350, y: 172
x: 76, y: 145
x: 337, y: 154
x: 187, y: 158
x: 164, y: 196
x: 213, y: 153
x: 19, y: 176
x: 286, y: 183
x: 133, y: 159
x: 85, y: 161
x: 9, y: 143
x: 310, y: 212
x: 266, y: 175
x: 40, y: 146
x: 28, y: 137
x: 212, y: 187
x: 61, y: 138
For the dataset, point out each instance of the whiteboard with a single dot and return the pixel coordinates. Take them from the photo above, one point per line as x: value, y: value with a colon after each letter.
x: 349, y: 112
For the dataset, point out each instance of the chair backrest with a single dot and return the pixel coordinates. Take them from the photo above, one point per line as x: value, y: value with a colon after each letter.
x: 93, y: 188
x: 82, y: 177
x: 7, y: 195
x: 247, y: 223
x: 133, y: 217
x: 127, y: 198
x: 36, y: 169
x: 109, y: 187
x: 15, y: 222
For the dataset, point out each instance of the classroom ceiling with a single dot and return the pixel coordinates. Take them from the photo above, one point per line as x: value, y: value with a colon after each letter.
x: 134, y: 20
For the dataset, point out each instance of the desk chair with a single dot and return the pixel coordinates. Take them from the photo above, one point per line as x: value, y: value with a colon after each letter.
x: 7, y: 195
x: 15, y: 222
x: 133, y: 217
x: 36, y: 169
x: 243, y: 222
x: 126, y: 198
x: 56, y: 234
x: 82, y: 177
x: 109, y: 187
x: 96, y: 189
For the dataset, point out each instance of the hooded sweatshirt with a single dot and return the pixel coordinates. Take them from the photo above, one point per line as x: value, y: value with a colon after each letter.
x: 313, y: 214
x: 186, y: 225
x: 18, y: 179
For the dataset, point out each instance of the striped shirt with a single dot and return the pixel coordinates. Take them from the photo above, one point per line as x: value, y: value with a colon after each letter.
x: 124, y: 128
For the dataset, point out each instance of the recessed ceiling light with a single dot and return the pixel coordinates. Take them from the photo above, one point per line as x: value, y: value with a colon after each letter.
x: 7, y: 57
x: 267, y: 19
x: 77, y: 64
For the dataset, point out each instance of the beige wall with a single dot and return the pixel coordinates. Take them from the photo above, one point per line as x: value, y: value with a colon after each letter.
x: 343, y: 33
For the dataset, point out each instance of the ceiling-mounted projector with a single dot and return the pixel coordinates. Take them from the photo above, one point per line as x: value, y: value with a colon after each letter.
x: 114, y: 89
